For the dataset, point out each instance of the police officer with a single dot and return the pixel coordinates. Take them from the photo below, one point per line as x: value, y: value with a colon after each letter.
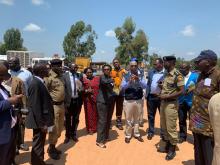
x: 172, y: 88
x: 56, y: 89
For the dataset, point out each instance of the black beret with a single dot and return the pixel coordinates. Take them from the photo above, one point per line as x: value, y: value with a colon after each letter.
x: 169, y: 58
x: 56, y: 62
x: 206, y: 54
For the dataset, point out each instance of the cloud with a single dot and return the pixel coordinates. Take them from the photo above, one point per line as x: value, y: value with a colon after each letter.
x: 7, y: 2
x: 191, y: 53
x: 31, y: 27
x: 188, y: 31
x: 102, y: 52
x: 37, y: 2
x: 110, y: 33
x: 157, y: 50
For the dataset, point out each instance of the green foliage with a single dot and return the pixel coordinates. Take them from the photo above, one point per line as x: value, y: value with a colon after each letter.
x: 129, y: 45
x: 79, y: 41
x: 2, y: 49
x: 13, y: 40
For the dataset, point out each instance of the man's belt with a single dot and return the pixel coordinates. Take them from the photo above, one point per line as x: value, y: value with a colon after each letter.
x: 57, y: 102
x: 153, y: 95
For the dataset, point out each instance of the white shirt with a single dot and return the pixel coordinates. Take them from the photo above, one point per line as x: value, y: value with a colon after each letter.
x: 154, y: 84
x: 77, y: 83
x: 186, y: 78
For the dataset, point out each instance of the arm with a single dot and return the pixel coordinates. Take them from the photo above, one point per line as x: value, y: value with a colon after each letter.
x: 180, y: 89
x: 173, y: 95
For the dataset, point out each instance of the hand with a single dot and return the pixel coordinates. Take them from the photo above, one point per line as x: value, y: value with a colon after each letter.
x: 15, y: 99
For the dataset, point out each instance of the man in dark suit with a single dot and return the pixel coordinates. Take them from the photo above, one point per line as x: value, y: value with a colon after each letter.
x: 7, y: 121
x: 40, y: 117
x: 73, y: 101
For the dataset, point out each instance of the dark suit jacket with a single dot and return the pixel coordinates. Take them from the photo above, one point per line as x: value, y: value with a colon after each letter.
x: 105, y: 90
x: 68, y: 89
x: 41, y: 110
x: 5, y: 119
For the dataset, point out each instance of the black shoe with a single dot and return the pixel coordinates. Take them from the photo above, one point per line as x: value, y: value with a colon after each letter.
x: 150, y: 136
x: 54, y: 155
x: 181, y: 140
x: 57, y: 151
x: 139, y: 138
x: 75, y: 139
x: 66, y: 140
x: 141, y: 124
x: 127, y: 140
x: 53, y: 152
x: 24, y: 147
x: 119, y: 127
x: 172, y: 153
x: 164, y: 149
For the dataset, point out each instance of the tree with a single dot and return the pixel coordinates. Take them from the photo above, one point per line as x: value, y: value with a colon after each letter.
x: 129, y: 45
x: 2, y: 49
x: 79, y: 41
x: 13, y: 40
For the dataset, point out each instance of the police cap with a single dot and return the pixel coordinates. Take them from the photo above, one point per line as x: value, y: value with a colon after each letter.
x: 206, y: 54
x: 169, y: 58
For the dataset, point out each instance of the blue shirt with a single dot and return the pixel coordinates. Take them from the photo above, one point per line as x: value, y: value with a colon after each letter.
x: 192, y: 80
x: 125, y: 81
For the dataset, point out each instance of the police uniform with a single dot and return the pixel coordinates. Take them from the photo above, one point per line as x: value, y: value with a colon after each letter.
x: 169, y: 108
x: 55, y: 87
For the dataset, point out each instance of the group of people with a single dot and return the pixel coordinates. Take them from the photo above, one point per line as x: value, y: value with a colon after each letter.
x: 50, y: 98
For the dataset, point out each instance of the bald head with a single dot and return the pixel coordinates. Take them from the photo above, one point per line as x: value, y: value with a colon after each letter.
x: 14, y: 64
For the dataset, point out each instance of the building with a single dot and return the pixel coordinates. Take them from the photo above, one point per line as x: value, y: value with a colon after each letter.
x: 25, y: 57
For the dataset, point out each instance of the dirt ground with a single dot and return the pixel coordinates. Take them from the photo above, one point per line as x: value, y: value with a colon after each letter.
x: 85, y: 152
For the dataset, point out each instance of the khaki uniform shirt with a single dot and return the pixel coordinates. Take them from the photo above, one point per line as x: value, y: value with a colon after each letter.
x: 207, y: 86
x: 55, y: 86
x: 172, y: 82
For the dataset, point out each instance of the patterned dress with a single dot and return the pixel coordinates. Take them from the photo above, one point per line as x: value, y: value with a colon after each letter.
x: 89, y: 100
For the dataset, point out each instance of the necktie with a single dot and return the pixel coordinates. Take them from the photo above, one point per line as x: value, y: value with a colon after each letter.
x: 74, y: 82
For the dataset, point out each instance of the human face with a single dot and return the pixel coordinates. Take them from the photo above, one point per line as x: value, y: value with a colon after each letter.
x: 184, y: 69
x: 203, y: 65
x: 74, y: 68
x: 106, y: 70
x: 168, y: 64
x: 157, y: 65
x: 116, y: 64
x: 89, y: 73
x: 57, y: 69
x: 14, y: 64
x: 133, y: 67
